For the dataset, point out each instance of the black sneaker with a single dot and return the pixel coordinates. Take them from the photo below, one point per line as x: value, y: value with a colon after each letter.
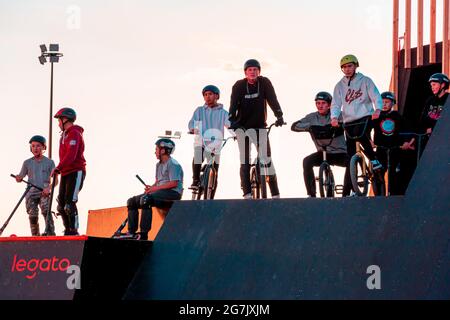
x: 71, y: 232
x: 143, y: 236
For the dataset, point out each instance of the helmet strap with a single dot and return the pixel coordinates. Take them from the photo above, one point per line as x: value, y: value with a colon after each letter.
x: 441, y: 91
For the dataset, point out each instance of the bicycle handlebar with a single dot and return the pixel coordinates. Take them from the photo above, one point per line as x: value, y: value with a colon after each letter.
x: 365, y: 122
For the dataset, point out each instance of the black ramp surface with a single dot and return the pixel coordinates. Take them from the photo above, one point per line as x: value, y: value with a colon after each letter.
x: 308, y: 248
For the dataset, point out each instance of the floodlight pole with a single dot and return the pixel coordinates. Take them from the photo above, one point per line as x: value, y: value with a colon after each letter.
x: 50, y: 139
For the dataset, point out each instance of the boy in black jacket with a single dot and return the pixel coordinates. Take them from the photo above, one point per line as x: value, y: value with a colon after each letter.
x: 248, y: 111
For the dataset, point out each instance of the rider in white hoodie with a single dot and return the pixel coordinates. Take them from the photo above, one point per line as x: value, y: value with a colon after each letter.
x: 356, y: 96
x: 207, y: 123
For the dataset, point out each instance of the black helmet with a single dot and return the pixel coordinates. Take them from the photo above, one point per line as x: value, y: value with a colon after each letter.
x: 68, y: 113
x: 389, y: 95
x: 323, y: 95
x: 167, y: 144
x: 252, y: 63
x: 211, y: 88
x: 39, y: 139
x: 440, y: 78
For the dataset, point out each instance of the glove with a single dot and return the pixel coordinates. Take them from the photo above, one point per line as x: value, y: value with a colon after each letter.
x: 280, y: 122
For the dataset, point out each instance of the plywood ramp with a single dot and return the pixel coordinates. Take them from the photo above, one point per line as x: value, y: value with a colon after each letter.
x: 103, y: 223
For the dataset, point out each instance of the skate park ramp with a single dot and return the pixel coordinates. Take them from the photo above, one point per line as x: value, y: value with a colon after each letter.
x: 309, y: 248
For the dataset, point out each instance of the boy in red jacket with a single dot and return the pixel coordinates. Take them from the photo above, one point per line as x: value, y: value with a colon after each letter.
x: 72, y: 167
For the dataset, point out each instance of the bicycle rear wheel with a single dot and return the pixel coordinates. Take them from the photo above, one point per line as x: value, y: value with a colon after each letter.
x: 326, y: 181
x: 359, y: 175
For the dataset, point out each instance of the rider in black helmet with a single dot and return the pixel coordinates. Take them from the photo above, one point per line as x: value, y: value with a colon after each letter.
x: 248, y: 111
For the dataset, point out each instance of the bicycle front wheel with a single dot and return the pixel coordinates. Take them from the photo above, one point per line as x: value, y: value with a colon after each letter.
x: 210, y: 185
x: 359, y: 175
x: 378, y: 184
x: 326, y: 181
x: 255, y: 184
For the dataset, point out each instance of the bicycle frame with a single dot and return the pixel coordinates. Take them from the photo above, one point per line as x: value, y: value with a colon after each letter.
x: 210, y: 169
x: 257, y: 164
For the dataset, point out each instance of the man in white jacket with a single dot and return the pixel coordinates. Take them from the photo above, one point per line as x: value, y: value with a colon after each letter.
x: 359, y: 100
x: 207, y: 123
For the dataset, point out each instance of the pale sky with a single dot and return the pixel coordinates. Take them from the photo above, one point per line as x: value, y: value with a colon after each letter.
x: 132, y: 69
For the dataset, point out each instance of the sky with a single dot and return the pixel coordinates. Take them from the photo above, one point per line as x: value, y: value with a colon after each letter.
x: 133, y: 69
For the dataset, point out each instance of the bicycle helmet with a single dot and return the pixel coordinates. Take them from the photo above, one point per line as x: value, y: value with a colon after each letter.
x: 323, y: 95
x: 166, y: 144
x: 389, y: 95
x: 252, y: 63
x: 349, y: 59
x: 211, y: 88
x: 39, y: 139
x: 440, y: 78
x: 68, y: 113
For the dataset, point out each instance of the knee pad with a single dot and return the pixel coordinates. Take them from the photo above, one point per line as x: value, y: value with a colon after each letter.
x: 146, y: 201
x: 60, y: 209
x: 70, y: 209
x: 131, y: 203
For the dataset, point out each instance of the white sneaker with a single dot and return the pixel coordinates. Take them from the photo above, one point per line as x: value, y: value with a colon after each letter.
x: 248, y: 196
x: 276, y: 197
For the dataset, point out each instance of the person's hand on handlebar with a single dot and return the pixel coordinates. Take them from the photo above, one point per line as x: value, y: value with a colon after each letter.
x: 280, y: 122
x: 18, y: 178
x: 408, y: 145
x: 376, y: 114
x: 335, y: 123
x: 234, y: 126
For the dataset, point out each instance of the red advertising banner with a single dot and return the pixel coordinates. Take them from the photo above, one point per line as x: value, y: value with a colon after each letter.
x: 45, y: 268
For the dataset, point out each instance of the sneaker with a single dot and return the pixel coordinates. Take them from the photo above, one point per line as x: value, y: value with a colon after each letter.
x: 71, y: 232
x: 143, y: 236
x: 376, y: 165
x: 248, y: 196
x: 277, y: 196
x: 48, y: 234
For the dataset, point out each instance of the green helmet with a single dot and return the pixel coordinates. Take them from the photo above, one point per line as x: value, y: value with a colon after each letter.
x: 39, y: 139
x: 349, y: 59
x: 167, y: 144
x: 252, y: 63
x: 323, y: 95
x: 68, y: 113
x: 440, y: 78
x: 389, y: 95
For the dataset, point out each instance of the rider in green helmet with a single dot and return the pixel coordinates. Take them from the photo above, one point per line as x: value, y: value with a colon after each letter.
x: 359, y: 101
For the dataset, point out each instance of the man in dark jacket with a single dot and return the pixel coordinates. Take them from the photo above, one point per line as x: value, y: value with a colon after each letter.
x: 248, y: 111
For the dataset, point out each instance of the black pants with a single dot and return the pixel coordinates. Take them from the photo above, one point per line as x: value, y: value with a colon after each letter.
x: 352, y: 130
x: 394, y: 177
x: 315, y: 160
x: 197, y: 166
x: 69, y: 187
x: 159, y: 199
x: 263, y: 146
